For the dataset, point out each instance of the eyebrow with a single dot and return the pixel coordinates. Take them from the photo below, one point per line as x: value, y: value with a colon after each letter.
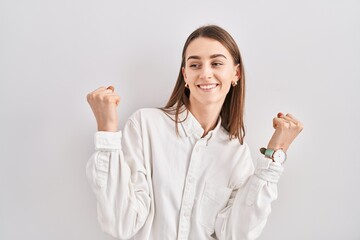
x: 212, y: 56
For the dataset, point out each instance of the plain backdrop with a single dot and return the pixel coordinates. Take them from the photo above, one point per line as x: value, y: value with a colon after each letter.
x: 301, y: 57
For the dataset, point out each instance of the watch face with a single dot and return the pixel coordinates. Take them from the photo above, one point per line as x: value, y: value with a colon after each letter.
x: 279, y: 156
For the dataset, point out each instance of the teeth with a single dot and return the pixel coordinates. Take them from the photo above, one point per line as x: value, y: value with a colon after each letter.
x: 208, y: 86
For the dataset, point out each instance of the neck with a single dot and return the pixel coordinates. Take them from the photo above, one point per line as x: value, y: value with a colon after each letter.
x: 206, y: 114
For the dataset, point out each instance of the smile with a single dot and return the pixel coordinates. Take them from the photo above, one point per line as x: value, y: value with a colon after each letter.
x: 207, y: 86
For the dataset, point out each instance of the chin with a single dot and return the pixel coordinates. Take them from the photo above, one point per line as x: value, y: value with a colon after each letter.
x: 207, y: 101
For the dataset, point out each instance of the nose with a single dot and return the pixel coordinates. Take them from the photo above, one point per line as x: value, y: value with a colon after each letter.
x: 206, y: 73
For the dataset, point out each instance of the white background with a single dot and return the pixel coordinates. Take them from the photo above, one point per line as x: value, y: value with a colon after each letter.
x: 301, y: 57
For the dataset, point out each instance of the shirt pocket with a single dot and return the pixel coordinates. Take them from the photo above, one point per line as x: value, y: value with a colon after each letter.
x: 213, y: 200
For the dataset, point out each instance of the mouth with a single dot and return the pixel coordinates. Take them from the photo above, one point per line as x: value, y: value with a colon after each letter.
x: 208, y: 86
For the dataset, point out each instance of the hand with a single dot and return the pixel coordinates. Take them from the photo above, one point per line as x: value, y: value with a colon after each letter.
x: 286, y: 130
x: 103, y: 102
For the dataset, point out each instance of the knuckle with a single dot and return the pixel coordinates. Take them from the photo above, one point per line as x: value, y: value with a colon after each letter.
x: 89, y: 97
x: 98, y: 97
x: 107, y: 99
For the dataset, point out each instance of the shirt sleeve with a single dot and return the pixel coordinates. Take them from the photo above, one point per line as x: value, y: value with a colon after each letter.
x: 117, y: 175
x: 249, y: 206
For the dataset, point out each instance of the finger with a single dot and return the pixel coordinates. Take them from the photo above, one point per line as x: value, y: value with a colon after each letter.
x: 111, y: 87
x: 117, y: 100
x: 109, y: 92
x: 100, y: 93
x: 288, y: 117
x: 100, y: 89
x: 105, y: 91
x: 282, y: 116
x: 114, y: 97
x: 94, y: 93
x: 291, y: 116
x: 281, y: 123
x: 276, y: 122
x: 298, y: 124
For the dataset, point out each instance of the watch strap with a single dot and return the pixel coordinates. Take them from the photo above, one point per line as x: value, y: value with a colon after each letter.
x: 267, y: 152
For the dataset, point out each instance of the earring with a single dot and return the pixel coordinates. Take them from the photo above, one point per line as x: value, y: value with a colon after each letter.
x: 234, y: 83
x: 186, y: 85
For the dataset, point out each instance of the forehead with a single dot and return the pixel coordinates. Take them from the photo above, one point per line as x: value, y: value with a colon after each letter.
x: 205, y: 47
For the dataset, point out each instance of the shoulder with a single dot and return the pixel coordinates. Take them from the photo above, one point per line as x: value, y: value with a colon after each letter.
x: 146, y: 116
x: 142, y: 118
x: 146, y: 113
x: 151, y: 122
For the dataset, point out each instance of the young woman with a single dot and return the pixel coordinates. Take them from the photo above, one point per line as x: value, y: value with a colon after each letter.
x: 184, y: 171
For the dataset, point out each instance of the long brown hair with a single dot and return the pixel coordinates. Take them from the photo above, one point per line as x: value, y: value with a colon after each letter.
x: 232, y: 111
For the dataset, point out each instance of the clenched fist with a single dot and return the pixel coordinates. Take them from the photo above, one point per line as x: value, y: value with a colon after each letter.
x: 103, y: 102
x: 286, y: 130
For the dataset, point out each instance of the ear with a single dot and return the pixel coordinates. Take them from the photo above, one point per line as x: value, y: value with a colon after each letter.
x: 183, y: 73
x: 237, y: 73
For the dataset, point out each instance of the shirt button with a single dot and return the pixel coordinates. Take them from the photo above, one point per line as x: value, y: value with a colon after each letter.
x: 187, y: 214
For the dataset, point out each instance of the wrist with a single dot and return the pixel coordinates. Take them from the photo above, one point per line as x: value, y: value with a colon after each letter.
x: 107, y: 128
x: 276, y: 155
x: 276, y: 147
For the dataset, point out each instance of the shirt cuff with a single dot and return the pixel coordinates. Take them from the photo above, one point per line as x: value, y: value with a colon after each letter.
x: 107, y: 141
x: 268, y: 170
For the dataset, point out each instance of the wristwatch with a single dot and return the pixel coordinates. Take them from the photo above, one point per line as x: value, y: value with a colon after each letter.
x: 278, y: 156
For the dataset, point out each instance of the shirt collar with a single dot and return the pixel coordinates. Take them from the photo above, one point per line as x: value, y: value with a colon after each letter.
x: 191, y: 127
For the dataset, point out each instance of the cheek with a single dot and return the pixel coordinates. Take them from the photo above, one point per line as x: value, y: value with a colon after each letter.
x: 226, y: 87
x: 191, y: 76
x: 226, y: 78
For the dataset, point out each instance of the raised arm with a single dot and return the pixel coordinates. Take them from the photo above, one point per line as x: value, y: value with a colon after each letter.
x: 118, y: 176
x: 249, y: 206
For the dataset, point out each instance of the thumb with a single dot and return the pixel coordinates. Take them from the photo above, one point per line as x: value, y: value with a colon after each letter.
x: 276, y: 122
x: 111, y: 88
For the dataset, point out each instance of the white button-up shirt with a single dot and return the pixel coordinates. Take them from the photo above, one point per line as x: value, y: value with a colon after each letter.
x: 153, y: 184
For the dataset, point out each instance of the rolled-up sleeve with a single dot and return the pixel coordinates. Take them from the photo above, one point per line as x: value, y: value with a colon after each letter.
x: 249, y: 206
x: 117, y: 175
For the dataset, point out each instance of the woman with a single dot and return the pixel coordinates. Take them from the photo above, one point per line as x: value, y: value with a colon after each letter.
x: 184, y: 171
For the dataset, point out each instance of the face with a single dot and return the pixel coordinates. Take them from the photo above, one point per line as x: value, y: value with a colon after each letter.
x: 209, y: 71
